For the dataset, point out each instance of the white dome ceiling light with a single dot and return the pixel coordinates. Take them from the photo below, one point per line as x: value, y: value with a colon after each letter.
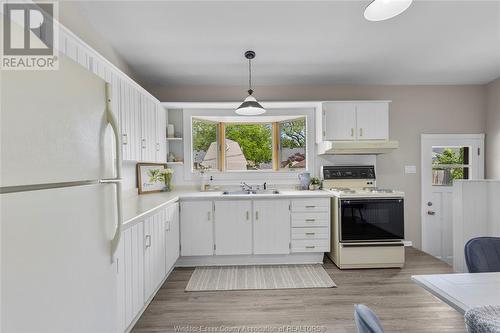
x: 379, y: 10
x: 250, y: 106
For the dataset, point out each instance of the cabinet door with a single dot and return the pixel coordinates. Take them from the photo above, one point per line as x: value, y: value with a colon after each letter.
x: 130, y: 122
x: 148, y: 129
x: 154, y: 251
x: 339, y: 121
x: 131, y: 274
x: 271, y: 227
x: 233, y: 227
x: 197, y: 237
x: 172, y: 236
x: 161, y: 135
x: 372, y: 121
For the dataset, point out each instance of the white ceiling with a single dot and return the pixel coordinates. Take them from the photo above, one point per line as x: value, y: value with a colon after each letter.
x: 301, y: 42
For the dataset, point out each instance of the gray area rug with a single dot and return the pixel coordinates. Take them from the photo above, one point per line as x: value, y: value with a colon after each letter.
x: 259, y: 277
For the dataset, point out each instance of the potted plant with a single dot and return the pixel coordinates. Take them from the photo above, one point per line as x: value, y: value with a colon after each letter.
x: 315, y: 184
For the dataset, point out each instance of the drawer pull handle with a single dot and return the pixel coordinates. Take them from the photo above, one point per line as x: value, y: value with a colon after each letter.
x: 311, y: 206
x: 310, y: 220
x: 310, y: 247
x: 310, y: 233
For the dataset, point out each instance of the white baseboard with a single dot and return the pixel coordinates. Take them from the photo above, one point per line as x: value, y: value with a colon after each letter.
x: 296, y: 258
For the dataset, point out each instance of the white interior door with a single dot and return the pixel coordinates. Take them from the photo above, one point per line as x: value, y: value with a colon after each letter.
x: 444, y: 158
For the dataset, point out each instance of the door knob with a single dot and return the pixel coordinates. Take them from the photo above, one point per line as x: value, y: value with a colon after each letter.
x: 429, y: 203
x: 430, y: 212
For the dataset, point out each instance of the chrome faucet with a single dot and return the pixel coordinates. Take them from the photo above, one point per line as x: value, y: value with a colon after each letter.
x: 246, y: 187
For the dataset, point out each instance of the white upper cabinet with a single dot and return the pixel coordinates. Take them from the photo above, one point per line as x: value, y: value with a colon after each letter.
x: 350, y: 121
x: 148, y: 129
x: 161, y: 134
x: 271, y: 226
x: 233, y: 227
x: 339, y: 121
x: 130, y: 122
x: 197, y: 228
x: 372, y: 121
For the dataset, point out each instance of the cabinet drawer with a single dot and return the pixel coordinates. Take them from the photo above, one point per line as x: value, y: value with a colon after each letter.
x: 311, y: 233
x: 310, y: 245
x: 310, y: 219
x: 311, y: 205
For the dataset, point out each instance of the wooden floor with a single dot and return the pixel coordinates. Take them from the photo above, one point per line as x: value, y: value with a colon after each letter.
x: 401, y: 305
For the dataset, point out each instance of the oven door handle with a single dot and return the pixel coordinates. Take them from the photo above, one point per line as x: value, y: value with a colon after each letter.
x: 374, y: 245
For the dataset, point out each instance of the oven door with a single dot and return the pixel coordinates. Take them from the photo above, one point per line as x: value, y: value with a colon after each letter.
x: 371, y: 219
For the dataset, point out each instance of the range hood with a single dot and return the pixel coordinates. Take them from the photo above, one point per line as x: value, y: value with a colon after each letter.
x: 356, y: 147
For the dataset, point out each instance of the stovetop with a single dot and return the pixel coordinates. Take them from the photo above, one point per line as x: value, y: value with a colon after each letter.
x: 355, y: 181
x: 370, y: 192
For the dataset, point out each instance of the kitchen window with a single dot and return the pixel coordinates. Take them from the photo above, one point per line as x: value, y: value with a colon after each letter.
x: 275, y: 145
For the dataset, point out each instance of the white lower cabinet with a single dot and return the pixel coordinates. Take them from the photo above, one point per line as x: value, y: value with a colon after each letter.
x: 154, y: 251
x: 197, y: 235
x: 172, y: 236
x: 233, y: 227
x: 271, y: 226
x: 145, y: 255
x: 310, y: 225
x: 130, y: 258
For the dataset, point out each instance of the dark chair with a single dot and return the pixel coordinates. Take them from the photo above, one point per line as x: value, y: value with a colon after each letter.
x: 366, y: 320
x: 482, y: 254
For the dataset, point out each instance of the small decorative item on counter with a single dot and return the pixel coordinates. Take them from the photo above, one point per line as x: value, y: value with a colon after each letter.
x: 171, y: 157
x: 167, y: 173
x: 150, y: 177
x: 315, y: 184
x: 305, y: 180
x: 170, y: 131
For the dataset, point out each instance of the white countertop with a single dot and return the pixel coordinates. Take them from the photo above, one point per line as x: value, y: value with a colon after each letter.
x: 136, y: 206
x: 462, y: 291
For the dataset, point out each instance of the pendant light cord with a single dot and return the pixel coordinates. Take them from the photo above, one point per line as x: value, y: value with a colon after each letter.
x: 250, y: 91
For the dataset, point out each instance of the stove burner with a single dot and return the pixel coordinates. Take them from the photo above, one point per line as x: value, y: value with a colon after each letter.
x: 343, y: 190
x: 377, y: 190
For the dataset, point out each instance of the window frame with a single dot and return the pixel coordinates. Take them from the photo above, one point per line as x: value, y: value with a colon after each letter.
x: 275, y: 142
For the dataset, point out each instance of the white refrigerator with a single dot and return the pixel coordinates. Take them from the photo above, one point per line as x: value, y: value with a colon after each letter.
x: 60, y: 202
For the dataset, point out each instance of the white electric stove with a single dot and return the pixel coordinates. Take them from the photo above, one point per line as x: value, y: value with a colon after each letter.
x: 367, y: 221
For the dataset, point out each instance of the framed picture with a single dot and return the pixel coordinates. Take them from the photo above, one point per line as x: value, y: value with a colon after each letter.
x: 149, y: 179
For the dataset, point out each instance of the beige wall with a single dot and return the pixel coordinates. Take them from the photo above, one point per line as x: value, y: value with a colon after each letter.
x: 414, y: 110
x: 493, y: 130
x: 70, y: 17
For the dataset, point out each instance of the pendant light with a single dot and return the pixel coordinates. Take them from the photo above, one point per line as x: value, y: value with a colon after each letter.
x: 250, y: 106
x: 379, y: 10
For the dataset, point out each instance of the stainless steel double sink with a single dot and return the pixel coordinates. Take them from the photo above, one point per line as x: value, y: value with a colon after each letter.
x: 249, y: 192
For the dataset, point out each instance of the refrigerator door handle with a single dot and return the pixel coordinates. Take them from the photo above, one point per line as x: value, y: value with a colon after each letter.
x: 118, y: 165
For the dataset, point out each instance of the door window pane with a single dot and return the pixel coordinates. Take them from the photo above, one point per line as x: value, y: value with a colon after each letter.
x: 448, y: 164
x: 292, y: 149
x: 450, y: 155
x: 204, y: 145
x: 248, y: 147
